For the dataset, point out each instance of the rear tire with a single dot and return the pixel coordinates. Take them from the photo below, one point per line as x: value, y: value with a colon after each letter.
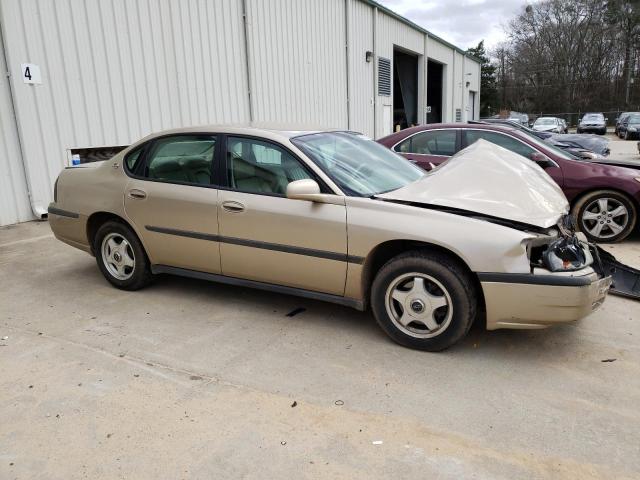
x: 424, y: 300
x: 121, y: 257
x: 601, y: 211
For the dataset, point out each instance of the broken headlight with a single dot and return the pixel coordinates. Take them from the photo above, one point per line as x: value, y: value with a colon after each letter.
x: 566, y: 254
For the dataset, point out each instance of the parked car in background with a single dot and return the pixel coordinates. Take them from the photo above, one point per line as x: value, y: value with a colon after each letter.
x: 590, y: 143
x: 518, y: 125
x: 593, y: 123
x: 548, y: 124
x: 630, y: 126
x: 337, y: 217
x: 605, y: 199
x: 620, y: 119
x: 565, y: 127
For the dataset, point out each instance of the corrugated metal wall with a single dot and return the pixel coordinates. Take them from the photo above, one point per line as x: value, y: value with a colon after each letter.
x: 361, y: 73
x: 297, y: 62
x: 116, y: 70
x: 14, y: 199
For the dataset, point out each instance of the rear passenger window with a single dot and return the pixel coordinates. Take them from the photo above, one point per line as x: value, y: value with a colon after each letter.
x: 182, y: 159
x: 430, y: 142
x: 132, y: 159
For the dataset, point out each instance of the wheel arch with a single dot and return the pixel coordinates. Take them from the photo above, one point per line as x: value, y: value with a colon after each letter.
x: 591, y: 190
x: 97, y: 219
x: 385, y: 251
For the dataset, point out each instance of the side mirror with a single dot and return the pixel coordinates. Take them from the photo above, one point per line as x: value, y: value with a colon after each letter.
x: 309, y: 190
x: 540, y: 159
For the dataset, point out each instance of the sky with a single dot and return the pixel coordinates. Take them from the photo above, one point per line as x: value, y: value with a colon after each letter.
x: 461, y: 22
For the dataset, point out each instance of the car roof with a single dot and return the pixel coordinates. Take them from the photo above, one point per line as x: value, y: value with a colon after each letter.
x: 267, y: 131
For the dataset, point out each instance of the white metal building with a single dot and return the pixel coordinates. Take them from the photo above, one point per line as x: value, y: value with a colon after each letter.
x: 86, y: 76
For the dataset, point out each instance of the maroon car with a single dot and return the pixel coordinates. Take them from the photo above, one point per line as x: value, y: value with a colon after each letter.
x: 605, y: 199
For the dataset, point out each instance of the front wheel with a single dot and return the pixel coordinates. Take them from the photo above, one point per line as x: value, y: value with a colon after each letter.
x: 121, y: 257
x: 423, y: 300
x: 605, y: 216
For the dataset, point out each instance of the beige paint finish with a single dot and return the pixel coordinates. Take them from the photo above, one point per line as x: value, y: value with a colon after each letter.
x: 283, y: 221
x: 180, y: 207
x: 511, y: 305
x: 330, y: 231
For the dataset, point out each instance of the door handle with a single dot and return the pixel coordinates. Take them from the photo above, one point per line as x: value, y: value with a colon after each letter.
x: 137, y: 194
x: 233, y: 207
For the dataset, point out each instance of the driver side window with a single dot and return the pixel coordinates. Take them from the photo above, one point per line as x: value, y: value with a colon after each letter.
x: 254, y: 166
x: 504, y: 141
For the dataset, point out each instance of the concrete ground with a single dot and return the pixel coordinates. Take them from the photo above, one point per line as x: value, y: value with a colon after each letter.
x: 188, y: 379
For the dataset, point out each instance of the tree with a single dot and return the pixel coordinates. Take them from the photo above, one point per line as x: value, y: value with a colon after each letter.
x: 571, y: 56
x: 625, y: 15
x: 488, y: 90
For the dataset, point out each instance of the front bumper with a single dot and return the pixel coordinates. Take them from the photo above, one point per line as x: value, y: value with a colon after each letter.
x: 539, y: 301
x: 592, y: 128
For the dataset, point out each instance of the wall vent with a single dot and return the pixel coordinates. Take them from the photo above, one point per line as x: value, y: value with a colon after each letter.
x: 384, y: 76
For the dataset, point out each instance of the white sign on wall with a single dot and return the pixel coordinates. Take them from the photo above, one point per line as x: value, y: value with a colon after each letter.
x: 31, y: 74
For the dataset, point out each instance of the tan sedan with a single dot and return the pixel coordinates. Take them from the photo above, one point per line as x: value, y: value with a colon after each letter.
x: 337, y: 217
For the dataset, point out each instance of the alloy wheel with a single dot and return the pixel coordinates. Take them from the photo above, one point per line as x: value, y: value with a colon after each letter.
x: 118, y: 256
x: 605, y: 218
x: 419, y: 305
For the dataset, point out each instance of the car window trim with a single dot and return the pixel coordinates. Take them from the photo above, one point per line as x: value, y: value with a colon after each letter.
x: 224, y: 180
x: 457, y: 147
x: 147, y: 146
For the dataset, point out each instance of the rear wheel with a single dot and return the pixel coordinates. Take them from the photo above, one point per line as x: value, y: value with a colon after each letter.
x: 121, y: 257
x: 424, y: 300
x: 605, y: 216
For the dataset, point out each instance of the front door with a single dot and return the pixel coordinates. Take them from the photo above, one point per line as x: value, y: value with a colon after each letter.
x: 172, y: 204
x: 267, y: 237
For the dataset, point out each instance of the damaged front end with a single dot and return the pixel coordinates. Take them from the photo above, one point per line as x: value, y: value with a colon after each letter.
x: 570, y: 251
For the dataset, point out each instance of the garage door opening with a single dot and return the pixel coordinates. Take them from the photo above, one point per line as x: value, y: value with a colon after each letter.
x: 435, y: 83
x: 405, y: 90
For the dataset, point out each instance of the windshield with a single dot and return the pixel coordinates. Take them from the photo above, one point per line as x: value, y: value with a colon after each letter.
x: 358, y: 165
x: 545, y: 121
x: 593, y: 116
x: 634, y: 118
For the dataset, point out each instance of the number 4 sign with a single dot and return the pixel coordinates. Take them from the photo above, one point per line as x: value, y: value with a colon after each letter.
x: 31, y: 73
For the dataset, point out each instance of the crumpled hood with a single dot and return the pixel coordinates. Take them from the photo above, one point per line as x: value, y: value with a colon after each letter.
x: 490, y: 180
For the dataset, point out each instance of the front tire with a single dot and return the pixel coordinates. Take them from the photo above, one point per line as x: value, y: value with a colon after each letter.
x: 605, y: 216
x: 121, y: 257
x: 424, y: 300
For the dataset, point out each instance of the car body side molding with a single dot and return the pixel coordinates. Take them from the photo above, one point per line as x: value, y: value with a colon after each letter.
x: 62, y: 213
x: 310, y: 252
x: 531, y: 279
x: 346, y: 301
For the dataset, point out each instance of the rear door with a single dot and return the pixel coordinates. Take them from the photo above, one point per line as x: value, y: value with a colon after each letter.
x: 430, y: 148
x: 172, y: 203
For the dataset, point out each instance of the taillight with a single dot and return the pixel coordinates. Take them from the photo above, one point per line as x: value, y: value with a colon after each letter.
x: 55, y: 190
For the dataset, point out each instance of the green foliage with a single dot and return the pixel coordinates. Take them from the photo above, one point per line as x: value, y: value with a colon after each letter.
x: 488, y: 90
